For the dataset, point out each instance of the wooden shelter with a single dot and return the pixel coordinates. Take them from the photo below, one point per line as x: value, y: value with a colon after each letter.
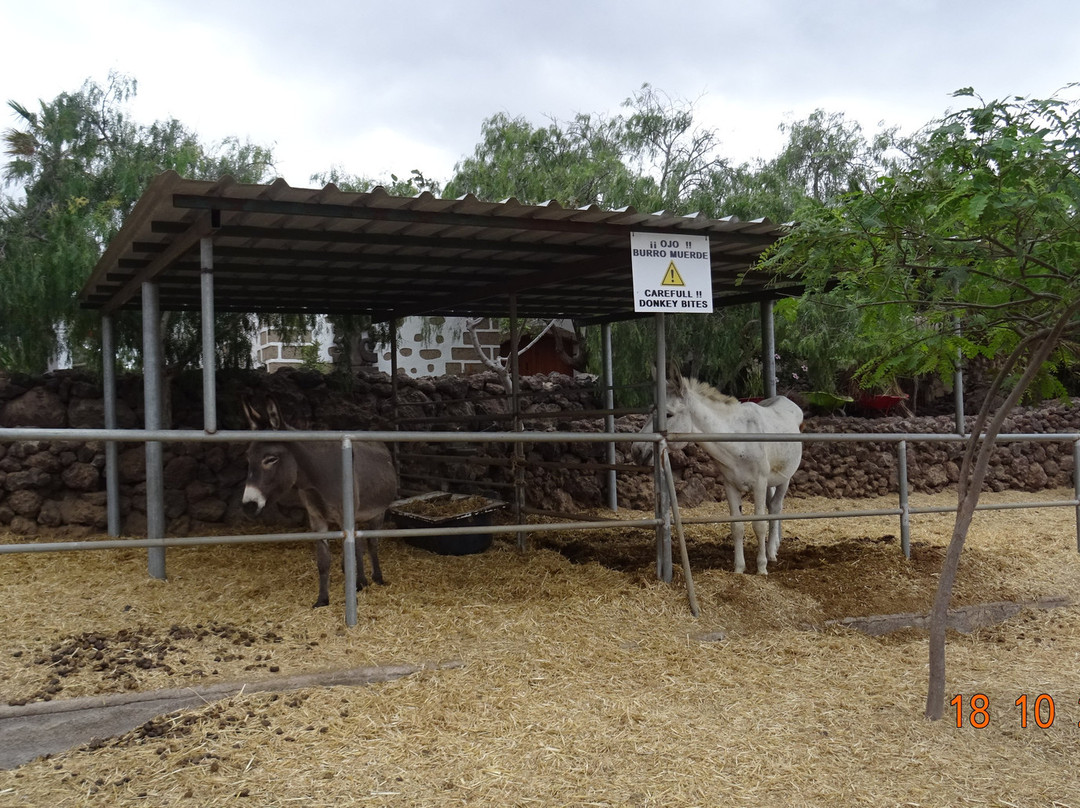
x: 281, y: 249
x: 222, y: 246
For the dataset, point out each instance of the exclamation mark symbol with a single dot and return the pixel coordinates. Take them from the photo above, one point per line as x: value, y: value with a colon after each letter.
x: 672, y: 276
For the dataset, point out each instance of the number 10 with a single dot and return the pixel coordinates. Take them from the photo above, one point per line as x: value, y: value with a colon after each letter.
x: 1041, y: 702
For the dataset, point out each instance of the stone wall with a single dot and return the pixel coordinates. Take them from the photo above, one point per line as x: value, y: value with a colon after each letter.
x: 59, y: 485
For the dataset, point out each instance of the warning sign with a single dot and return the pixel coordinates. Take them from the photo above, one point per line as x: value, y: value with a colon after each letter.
x: 672, y: 273
x: 672, y: 276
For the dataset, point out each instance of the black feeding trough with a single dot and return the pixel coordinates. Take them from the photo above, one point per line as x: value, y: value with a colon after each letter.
x: 439, y: 509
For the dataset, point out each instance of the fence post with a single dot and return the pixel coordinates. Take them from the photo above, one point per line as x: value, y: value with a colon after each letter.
x: 209, y: 345
x: 691, y: 594
x: 112, y: 451
x: 394, y: 390
x: 518, y: 451
x: 768, y: 348
x: 609, y: 419
x: 958, y: 371
x: 348, y: 525
x: 1076, y: 487
x: 663, y: 504
x: 152, y: 398
x: 905, y: 505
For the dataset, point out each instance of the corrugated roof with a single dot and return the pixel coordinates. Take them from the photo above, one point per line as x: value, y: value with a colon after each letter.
x: 283, y: 249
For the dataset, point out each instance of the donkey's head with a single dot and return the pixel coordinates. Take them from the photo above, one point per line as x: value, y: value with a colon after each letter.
x: 271, y: 466
x: 678, y: 417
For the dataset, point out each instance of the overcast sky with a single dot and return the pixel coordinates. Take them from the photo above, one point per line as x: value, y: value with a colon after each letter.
x: 376, y: 88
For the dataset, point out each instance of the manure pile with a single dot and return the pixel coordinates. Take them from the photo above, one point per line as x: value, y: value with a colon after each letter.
x: 583, y: 680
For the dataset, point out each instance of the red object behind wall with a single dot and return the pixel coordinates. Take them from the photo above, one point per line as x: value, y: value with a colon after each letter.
x: 540, y: 358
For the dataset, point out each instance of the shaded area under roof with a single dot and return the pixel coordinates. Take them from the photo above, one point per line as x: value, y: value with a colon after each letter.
x: 299, y: 250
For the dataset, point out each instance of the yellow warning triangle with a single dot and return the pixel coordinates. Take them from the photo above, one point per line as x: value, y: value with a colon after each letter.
x: 672, y: 277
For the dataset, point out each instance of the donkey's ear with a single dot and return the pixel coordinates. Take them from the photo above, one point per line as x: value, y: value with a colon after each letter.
x: 272, y: 411
x: 675, y: 381
x: 254, y: 418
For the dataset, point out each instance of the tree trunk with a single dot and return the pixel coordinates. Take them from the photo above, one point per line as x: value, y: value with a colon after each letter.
x: 972, y: 474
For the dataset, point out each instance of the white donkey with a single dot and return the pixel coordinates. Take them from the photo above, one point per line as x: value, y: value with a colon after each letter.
x: 763, y: 468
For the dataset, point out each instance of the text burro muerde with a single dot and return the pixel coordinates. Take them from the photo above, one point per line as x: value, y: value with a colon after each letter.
x: 672, y: 273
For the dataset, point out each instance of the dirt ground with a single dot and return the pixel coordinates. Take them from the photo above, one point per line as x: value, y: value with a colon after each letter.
x: 583, y: 680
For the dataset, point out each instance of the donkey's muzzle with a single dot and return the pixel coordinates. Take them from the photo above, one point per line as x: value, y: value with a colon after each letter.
x: 253, y: 500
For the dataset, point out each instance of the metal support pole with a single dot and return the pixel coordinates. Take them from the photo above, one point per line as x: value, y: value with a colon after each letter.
x: 669, y: 476
x: 663, y: 498
x: 393, y: 361
x: 958, y: 372
x: 609, y: 419
x: 209, y: 345
x: 348, y: 525
x: 155, y: 484
x: 905, y: 504
x: 394, y: 448
x: 1076, y: 488
x: 958, y: 396
x: 112, y: 463
x: 515, y: 405
x: 768, y: 348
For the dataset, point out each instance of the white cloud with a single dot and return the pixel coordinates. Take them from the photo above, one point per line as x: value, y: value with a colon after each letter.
x: 377, y: 88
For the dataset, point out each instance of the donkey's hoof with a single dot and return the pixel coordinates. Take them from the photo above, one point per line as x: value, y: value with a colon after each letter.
x: 363, y: 586
x: 320, y: 603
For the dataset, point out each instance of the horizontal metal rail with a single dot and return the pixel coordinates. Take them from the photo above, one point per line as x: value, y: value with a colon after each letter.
x: 576, y: 415
x: 297, y: 436
x: 270, y: 538
x: 346, y: 438
x: 483, y: 484
x: 914, y: 510
x: 506, y: 462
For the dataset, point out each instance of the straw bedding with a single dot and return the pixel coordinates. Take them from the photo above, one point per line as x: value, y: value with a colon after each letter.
x: 583, y: 680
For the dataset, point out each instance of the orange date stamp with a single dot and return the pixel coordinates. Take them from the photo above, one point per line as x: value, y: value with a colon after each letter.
x: 974, y: 711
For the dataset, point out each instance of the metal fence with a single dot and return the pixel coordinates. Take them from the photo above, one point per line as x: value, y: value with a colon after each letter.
x: 664, y: 484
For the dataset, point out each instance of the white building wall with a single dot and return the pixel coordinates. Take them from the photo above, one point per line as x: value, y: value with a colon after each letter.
x: 439, y: 347
x: 426, y: 347
x: 273, y: 354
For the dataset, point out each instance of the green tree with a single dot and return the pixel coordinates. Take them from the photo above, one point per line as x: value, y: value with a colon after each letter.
x: 827, y: 155
x: 415, y: 183
x: 981, y: 225
x: 50, y: 237
x: 655, y: 156
x: 574, y: 164
x: 674, y: 159
x: 652, y: 157
x: 79, y: 165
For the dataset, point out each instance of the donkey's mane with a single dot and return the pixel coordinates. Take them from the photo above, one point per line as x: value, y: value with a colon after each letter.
x: 709, y: 392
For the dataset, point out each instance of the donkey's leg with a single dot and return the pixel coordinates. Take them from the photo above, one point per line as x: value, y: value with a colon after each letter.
x: 322, y: 562
x: 776, y: 505
x: 321, y: 548
x: 734, y: 498
x: 761, y: 528
x: 371, y: 547
x: 373, y: 551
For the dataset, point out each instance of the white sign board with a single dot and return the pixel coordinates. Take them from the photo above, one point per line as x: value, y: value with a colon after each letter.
x: 672, y: 273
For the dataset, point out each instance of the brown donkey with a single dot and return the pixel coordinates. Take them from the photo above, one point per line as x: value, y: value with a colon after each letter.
x: 314, y: 470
